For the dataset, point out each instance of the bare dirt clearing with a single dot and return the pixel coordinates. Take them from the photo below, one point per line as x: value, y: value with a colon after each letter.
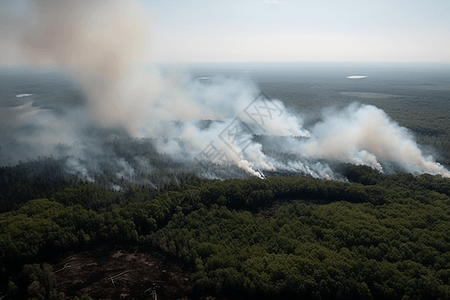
x: 120, y: 275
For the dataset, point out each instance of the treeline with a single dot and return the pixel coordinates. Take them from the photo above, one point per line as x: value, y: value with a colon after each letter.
x: 379, y: 237
x: 130, y: 162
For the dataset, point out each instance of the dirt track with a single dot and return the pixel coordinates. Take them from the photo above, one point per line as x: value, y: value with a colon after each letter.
x: 136, y: 274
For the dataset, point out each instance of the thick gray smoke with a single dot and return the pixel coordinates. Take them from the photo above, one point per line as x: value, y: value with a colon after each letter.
x: 364, y: 135
x: 102, y: 43
x: 105, y: 44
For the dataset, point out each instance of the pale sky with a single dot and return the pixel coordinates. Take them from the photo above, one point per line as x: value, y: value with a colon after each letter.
x: 288, y: 30
x: 185, y: 31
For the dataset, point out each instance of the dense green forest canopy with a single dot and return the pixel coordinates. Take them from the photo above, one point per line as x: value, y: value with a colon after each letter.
x: 374, y: 237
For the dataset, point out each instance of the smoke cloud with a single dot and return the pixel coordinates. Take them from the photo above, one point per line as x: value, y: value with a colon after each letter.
x: 224, y: 121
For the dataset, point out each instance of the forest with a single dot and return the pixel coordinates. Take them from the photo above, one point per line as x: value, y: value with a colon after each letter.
x: 375, y: 236
x: 364, y: 235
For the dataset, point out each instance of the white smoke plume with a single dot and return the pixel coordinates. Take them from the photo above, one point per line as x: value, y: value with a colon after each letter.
x: 364, y: 134
x: 105, y: 44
